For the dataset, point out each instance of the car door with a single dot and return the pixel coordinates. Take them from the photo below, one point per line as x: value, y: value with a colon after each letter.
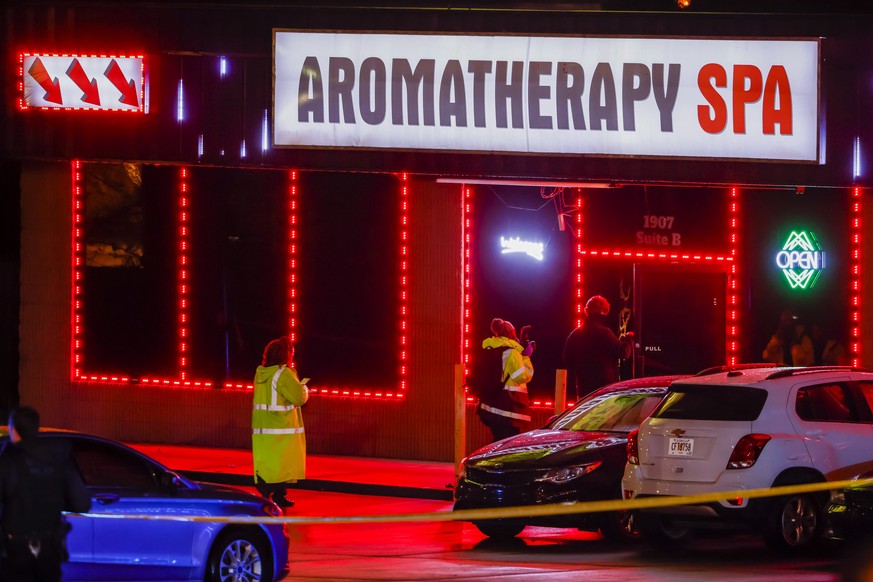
x: 122, y: 482
x: 834, y: 427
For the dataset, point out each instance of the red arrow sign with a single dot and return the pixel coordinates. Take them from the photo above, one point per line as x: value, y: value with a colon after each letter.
x: 41, y: 76
x: 80, y: 78
x: 127, y: 88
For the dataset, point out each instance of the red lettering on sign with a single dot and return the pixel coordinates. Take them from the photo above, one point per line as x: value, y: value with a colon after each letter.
x: 744, y: 95
x: 712, y: 118
x: 777, y: 84
x: 747, y: 86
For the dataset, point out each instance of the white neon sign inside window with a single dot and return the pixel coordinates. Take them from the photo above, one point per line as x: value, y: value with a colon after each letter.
x: 516, y: 245
x: 801, y: 259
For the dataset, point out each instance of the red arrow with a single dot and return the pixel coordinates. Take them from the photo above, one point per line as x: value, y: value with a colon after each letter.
x: 127, y: 88
x: 41, y: 76
x: 80, y: 78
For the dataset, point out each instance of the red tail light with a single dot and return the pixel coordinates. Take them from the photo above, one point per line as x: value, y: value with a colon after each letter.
x: 633, y: 447
x: 747, y: 451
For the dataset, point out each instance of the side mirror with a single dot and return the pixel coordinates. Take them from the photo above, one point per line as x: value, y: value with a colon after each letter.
x: 170, y: 480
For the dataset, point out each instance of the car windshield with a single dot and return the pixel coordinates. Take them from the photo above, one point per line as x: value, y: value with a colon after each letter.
x: 709, y: 402
x: 616, y: 411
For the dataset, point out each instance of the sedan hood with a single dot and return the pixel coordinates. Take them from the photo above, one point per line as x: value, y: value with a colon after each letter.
x: 545, y: 448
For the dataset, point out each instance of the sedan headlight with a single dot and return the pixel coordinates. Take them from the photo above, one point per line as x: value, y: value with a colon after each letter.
x: 564, y: 474
x: 462, y: 471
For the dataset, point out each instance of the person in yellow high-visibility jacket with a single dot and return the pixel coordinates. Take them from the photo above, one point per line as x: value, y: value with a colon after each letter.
x: 500, y: 378
x: 278, y: 440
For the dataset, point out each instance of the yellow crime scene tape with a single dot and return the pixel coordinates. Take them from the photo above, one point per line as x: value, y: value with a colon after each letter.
x: 509, y: 512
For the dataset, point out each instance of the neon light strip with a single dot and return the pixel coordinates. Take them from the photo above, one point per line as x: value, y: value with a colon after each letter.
x: 76, y: 261
x: 732, y: 349
x: 265, y: 132
x: 77, y: 304
x: 404, y: 281
x: 180, y: 102
x: 343, y: 391
x: 855, y: 233
x: 21, y: 104
x: 466, y: 245
x: 655, y: 256
x: 292, y: 255
x: 578, y: 277
x: 404, y: 234
x: 183, y: 280
x: 142, y: 77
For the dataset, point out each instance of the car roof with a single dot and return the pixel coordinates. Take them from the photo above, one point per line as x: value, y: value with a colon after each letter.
x: 646, y: 382
x: 764, y: 375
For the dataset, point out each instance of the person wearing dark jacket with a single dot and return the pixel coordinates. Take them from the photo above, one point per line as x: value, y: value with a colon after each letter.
x: 38, y: 481
x: 500, y: 378
x: 592, y: 351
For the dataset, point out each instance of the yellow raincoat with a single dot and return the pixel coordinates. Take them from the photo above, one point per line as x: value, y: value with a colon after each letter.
x: 278, y: 441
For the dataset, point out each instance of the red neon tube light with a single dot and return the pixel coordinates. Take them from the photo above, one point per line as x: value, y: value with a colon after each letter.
x: 855, y: 238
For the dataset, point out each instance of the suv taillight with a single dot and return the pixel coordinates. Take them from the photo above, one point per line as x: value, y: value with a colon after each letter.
x: 747, y: 451
x: 633, y: 447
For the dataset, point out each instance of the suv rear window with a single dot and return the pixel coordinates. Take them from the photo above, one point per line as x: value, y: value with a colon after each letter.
x: 707, y: 402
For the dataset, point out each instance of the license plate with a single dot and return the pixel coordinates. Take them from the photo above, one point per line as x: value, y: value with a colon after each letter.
x: 681, y: 447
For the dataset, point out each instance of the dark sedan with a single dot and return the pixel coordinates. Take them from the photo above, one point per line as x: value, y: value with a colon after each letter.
x: 578, y: 456
x: 123, y: 481
x: 850, y: 511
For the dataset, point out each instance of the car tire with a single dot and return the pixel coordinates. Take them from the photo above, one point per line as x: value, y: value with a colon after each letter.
x: 620, y: 526
x: 795, y: 523
x: 662, y: 533
x: 499, y: 529
x: 241, y: 554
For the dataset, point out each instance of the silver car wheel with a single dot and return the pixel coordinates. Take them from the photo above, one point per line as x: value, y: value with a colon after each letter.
x: 799, y: 521
x: 240, y: 561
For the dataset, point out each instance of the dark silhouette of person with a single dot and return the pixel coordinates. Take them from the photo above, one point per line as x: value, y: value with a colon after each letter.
x: 592, y: 351
x: 38, y: 481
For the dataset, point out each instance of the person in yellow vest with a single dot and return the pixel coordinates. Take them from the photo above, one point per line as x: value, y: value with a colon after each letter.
x: 278, y: 441
x: 500, y: 378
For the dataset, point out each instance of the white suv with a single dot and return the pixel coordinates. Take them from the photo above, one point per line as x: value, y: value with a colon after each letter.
x: 749, y: 429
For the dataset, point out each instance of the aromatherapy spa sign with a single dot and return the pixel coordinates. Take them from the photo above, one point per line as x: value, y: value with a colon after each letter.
x: 693, y: 98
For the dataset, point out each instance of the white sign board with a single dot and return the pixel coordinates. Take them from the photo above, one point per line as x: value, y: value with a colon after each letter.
x: 82, y: 82
x: 694, y: 98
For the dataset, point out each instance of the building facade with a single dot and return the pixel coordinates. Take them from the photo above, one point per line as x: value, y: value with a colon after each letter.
x: 188, y: 181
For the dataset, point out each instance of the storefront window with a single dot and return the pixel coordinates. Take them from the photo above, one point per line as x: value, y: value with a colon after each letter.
x: 236, y: 274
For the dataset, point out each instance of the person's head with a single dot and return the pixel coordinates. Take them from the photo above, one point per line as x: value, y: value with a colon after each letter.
x: 502, y: 328
x: 799, y: 327
x: 23, y: 424
x: 278, y: 352
x: 597, y: 305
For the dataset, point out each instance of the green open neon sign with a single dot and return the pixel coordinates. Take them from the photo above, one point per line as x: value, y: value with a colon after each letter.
x: 801, y: 259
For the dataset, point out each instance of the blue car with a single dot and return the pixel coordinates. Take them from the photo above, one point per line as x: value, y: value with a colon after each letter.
x: 122, y: 480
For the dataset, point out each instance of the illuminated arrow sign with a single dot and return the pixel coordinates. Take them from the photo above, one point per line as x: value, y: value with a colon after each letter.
x: 102, y: 83
x: 801, y: 259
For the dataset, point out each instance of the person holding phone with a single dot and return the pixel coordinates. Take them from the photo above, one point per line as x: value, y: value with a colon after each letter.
x: 278, y: 440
